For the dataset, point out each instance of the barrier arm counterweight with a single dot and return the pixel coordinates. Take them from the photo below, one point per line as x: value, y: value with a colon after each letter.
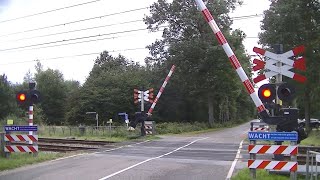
x: 233, y: 59
x: 161, y: 90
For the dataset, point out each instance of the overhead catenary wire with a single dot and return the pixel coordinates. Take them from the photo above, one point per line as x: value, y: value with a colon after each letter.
x: 47, y: 27
x: 71, y: 31
x: 76, y: 55
x: 73, y: 39
x: 83, y: 29
x: 79, y: 42
x: 49, y: 11
x: 73, y: 22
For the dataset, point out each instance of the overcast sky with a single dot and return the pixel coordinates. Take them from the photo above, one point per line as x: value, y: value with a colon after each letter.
x: 22, y: 41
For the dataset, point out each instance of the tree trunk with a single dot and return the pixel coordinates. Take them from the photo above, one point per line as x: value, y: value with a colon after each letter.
x: 307, y: 109
x: 210, y: 111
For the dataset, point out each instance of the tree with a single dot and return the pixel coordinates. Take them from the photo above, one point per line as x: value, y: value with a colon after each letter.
x: 53, y: 95
x: 7, y: 96
x: 293, y: 23
x: 108, y: 90
x: 203, y: 75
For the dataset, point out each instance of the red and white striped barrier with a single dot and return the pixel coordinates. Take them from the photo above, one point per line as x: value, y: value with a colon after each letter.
x: 261, y: 129
x: 19, y: 137
x: 232, y: 57
x: 16, y: 148
x: 273, y: 149
x: 272, y: 165
x: 161, y: 90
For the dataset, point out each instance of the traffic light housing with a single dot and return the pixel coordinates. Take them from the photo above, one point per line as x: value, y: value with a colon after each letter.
x: 267, y: 93
x: 28, y: 97
x: 286, y: 92
x: 34, y: 96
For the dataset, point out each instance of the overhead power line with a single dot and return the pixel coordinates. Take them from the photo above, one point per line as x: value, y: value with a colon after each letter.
x: 80, y: 42
x: 246, y: 16
x: 76, y: 30
x: 63, y: 24
x: 73, y: 22
x: 73, y: 39
x: 45, y: 12
x: 77, y: 55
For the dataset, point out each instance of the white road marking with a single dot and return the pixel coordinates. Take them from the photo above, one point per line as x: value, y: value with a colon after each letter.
x: 234, y: 162
x: 150, y: 159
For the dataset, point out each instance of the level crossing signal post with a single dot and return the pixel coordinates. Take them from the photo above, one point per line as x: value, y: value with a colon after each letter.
x: 142, y: 96
x: 29, y: 98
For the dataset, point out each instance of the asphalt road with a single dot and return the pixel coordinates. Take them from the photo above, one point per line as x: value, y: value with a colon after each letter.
x: 214, y: 155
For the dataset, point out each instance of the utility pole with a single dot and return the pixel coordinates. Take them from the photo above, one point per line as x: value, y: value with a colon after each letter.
x: 278, y: 50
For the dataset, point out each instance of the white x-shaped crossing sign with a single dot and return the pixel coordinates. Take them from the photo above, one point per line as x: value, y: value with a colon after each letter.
x: 287, y: 64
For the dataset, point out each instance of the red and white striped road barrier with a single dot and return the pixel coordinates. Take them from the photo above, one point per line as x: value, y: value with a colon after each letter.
x: 261, y: 129
x: 161, y: 90
x: 270, y: 64
x: 20, y: 137
x: 16, y: 148
x: 272, y: 165
x: 273, y: 149
x: 232, y: 57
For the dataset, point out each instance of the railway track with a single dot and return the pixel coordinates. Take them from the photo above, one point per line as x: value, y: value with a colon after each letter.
x: 74, y: 141
x: 68, y: 145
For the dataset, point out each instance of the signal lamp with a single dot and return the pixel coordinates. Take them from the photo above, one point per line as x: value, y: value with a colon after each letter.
x: 21, y: 97
x: 267, y: 92
x: 286, y: 92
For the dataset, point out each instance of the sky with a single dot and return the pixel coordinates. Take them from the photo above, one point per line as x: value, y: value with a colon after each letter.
x: 72, y: 38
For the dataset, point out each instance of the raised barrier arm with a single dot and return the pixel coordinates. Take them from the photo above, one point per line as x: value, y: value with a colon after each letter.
x: 233, y: 59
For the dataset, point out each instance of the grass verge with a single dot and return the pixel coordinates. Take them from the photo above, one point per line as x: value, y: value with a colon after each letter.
x: 261, y: 175
x: 20, y: 159
x: 313, y: 139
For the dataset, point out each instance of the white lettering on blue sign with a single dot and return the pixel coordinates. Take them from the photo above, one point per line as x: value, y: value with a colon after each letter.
x: 259, y: 136
x: 275, y: 136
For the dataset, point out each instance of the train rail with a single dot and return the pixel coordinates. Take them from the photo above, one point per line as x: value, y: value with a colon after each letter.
x: 74, y: 141
x: 68, y: 145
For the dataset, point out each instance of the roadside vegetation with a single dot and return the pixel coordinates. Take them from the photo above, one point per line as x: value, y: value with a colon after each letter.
x: 21, y: 159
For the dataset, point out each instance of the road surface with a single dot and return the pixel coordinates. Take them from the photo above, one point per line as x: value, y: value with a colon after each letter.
x: 213, y: 155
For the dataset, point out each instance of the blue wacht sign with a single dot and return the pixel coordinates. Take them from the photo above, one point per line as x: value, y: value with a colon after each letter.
x: 273, y: 136
x: 20, y: 128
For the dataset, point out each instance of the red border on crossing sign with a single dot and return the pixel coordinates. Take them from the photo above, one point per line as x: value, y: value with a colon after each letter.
x: 288, y: 64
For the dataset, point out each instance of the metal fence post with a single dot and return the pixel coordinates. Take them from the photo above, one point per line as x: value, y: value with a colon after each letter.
x: 307, y: 164
x: 2, y: 144
x: 293, y: 174
x: 253, y: 173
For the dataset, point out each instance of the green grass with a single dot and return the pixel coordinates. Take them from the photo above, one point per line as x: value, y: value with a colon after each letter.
x: 260, y: 175
x: 20, y: 159
x: 313, y: 139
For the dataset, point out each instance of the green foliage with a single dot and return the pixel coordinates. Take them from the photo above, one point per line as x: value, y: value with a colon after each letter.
x: 261, y: 175
x: 53, y: 95
x: 108, y: 90
x: 203, y: 74
x: 7, y: 97
x: 313, y: 139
